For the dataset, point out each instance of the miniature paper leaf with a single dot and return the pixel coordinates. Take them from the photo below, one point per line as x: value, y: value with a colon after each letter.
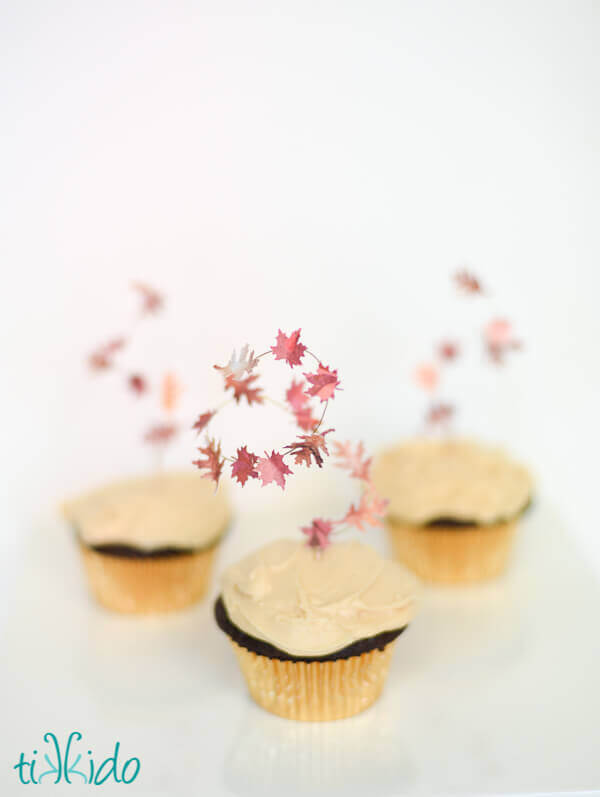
x: 289, y: 348
x: 324, y: 383
x: 273, y: 469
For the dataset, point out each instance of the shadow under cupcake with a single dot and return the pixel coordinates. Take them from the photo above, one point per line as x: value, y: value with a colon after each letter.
x: 454, y: 507
x: 148, y: 543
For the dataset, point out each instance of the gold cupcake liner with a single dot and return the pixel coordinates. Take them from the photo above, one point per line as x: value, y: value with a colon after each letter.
x: 315, y: 691
x: 148, y: 585
x: 451, y: 555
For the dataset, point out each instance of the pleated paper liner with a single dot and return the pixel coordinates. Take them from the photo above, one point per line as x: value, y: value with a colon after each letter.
x: 450, y: 554
x: 148, y: 585
x: 315, y: 691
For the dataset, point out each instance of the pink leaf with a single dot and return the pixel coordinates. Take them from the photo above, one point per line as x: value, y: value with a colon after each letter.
x: 370, y: 512
x: 289, y: 348
x: 498, y: 332
x: 439, y: 413
x: 295, y: 396
x: 324, y: 383
x: 244, y: 467
x: 354, y: 461
x: 298, y: 401
x: 212, y: 462
x: 137, y: 383
x: 170, y: 390
x: 152, y: 301
x: 448, y: 350
x: 499, y: 339
x: 273, y: 469
x: 305, y: 419
x: 318, y: 533
x: 203, y: 421
x: 467, y: 282
x: 160, y: 433
x: 427, y: 376
x: 241, y: 388
x: 102, y: 357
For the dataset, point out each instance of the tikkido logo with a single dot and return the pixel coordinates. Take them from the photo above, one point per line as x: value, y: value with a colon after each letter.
x: 65, y: 765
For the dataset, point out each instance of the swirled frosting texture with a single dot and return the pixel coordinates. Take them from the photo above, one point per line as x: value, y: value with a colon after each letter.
x: 309, y: 602
x: 427, y: 480
x: 166, y: 510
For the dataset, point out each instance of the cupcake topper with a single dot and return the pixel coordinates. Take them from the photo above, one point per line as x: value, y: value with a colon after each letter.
x: 498, y: 340
x: 105, y: 358
x: 303, y: 399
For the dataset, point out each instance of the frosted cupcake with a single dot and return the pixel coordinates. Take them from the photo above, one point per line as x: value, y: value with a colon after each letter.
x: 312, y: 624
x: 314, y: 630
x: 148, y: 544
x: 453, y: 508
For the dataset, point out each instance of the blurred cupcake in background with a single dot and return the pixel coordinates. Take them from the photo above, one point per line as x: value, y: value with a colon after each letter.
x: 148, y: 543
x: 454, y: 506
x: 454, y: 503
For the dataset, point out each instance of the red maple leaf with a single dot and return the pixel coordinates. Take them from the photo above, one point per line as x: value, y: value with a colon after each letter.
x: 310, y: 445
x: 160, y: 433
x: 212, y: 462
x: 203, y: 421
x: 354, y: 461
x: 152, y: 301
x: 370, y: 512
x: 324, y: 382
x: 439, y: 413
x: 295, y: 396
x: 305, y: 419
x: 102, y: 357
x: 289, y: 348
x: 318, y: 533
x: 273, y: 469
x: 448, y: 350
x: 241, y: 388
x: 244, y: 467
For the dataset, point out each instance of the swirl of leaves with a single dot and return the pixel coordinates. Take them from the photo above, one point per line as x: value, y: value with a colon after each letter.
x: 106, y: 358
x: 498, y: 339
x: 308, y: 449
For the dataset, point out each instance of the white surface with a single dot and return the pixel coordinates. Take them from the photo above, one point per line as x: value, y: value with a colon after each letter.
x: 493, y: 689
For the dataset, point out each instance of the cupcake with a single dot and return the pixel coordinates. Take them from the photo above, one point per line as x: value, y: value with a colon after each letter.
x: 148, y: 543
x: 453, y: 507
x: 314, y: 629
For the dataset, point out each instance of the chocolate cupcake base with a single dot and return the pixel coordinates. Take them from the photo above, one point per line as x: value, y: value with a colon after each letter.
x: 317, y: 688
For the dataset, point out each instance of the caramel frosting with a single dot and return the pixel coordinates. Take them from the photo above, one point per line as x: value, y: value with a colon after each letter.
x: 427, y: 480
x: 166, y: 510
x: 309, y: 602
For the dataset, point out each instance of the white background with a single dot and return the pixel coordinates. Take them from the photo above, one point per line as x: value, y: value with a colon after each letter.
x: 325, y: 165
